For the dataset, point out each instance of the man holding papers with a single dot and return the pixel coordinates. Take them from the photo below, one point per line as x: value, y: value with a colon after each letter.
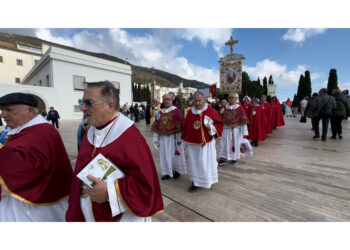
x: 133, y: 194
x: 202, y: 125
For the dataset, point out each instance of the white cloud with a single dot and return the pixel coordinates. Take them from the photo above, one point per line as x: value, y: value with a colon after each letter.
x: 217, y: 36
x: 299, y: 35
x: 45, y: 34
x: 149, y: 50
x: 344, y: 85
x: 286, y: 80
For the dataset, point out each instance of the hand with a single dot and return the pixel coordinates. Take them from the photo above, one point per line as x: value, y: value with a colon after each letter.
x: 99, y: 192
x: 208, y: 127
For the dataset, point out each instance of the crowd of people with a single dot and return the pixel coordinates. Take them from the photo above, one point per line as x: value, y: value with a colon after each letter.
x: 41, y: 185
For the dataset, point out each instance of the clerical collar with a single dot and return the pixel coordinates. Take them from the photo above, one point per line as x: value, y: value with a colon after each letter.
x: 36, y: 120
x: 102, y: 127
x: 197, y: 112
x: 234, y: 106
x: 166, y: 110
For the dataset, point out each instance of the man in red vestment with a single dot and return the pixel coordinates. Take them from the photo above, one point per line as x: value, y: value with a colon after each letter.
x: 202, y: 125
x: 35, y: 171
x: 267, y: 109
x: 257, y: 123
x: 279, y: 121
x: 134, y: 197
x: 167, y: 138
x: 234, y: 119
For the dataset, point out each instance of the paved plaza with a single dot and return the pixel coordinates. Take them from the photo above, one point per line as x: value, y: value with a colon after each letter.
x: 291, y: 177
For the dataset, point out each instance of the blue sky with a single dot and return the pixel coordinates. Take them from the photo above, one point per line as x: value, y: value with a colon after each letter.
x: 194, y: 53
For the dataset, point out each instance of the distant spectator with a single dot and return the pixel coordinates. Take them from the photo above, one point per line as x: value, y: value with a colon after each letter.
x: 324, y: 106
x: 288, y: 107
x: 308, y: 113
x: 53, y: 116
x: 295, y: 105
x: 303, y: 104
x: 341, y: 111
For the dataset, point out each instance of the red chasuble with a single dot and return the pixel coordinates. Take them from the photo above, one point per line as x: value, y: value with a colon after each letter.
x: 267, y: 109
x: 233, y: 117
x: 279, y: 115
x: 139, y: 189
x: 247, y: 108
x: 34, y: 167
x: 195, y: 132
x: 257, y: 124
x: 169, y: 123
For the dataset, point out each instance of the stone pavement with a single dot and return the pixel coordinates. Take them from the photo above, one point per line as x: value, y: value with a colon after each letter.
x: 291, y: 177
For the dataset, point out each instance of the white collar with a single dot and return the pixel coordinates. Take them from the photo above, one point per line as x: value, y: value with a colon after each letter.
x: 234, y: 106
x: 171, y: 108
x: 39, y: 119
x: 197, y: 112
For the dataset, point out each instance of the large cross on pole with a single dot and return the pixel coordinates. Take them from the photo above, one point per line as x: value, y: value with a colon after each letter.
x: 230, y: 43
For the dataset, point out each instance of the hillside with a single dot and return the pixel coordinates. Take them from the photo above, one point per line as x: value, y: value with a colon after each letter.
x: 140, y: 74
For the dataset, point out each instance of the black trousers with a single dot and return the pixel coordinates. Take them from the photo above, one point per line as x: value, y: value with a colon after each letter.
x: 336, y: 125
x: 55, y: 122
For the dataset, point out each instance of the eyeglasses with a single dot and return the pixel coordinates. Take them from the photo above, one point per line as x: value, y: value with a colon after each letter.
x: 231, y: 97
x: 89, y: 104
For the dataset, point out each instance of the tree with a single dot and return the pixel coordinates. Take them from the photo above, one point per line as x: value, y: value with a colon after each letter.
x: 301, y: 87
x: 265, y: 86
x: 332, y: 81
x: 270, y: 80
x: 307, y: 84
x: 148, y: 95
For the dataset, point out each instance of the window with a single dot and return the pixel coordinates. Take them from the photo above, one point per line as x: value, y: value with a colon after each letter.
x: 18, y: 80
x: 47, y: 80
x: 78, y: 82
x: 19, y: 62
x: 1, y: 59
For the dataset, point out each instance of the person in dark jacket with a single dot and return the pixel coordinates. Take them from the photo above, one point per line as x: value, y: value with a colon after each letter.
x: 148, y: 114
x: 324, y: 106
x: 53, y: 116
x: 308, y: 112
x: 341, y: 111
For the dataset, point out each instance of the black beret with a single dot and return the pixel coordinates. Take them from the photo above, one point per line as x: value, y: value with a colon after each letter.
x: 19, y: 98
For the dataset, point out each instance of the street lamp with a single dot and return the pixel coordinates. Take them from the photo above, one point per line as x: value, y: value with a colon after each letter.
x: 125, y: 59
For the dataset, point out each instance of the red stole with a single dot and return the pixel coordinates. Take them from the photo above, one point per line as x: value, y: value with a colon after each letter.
x: 233, y: 117
x: 257, y: 124
x: 195, y: 132
x: 168, y: 123
x: 34, y: 166
x: 139, y: 189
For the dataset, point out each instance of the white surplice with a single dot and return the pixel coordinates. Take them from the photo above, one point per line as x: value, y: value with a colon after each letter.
x: 12, y: 210
x: 168, y: 144
x: 202, y: 163
x: 231, y: 137
x: 119, y: 127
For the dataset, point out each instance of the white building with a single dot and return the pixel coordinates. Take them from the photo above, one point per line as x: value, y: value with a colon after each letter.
x: 16, y: 60
x: 160, y: 91
x: 56, y: 79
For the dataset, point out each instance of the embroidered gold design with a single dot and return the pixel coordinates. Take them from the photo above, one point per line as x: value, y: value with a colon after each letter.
x: 197, y: 124
x: 1, y: 145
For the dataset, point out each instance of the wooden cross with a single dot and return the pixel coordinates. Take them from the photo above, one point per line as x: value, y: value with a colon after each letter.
x: 230, y: 43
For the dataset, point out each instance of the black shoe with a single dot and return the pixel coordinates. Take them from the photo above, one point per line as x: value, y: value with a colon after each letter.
x: 222, y: 162
x: 192, y: 189
x: 323, y: 139
x: 165, y: 177
x: 333, y: 137
x: 176, y: 175
x: 340, y: 137
x: 255, y: 143
x: 316, y: 136
x: 233, y: 161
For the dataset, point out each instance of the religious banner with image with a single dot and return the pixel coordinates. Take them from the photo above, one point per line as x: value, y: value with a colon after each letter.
x: 271, y: 89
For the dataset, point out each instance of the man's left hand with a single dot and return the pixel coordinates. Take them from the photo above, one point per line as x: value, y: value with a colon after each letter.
x: 99, y: 192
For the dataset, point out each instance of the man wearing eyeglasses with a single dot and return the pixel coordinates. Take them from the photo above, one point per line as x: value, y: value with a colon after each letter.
x: 136, y: 196
x: 35, y: 171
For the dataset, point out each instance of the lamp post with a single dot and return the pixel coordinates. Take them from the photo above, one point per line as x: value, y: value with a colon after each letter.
x: 125, y: 60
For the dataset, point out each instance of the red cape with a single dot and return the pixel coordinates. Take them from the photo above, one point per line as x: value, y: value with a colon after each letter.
x: 139, y: 189
x: 34, y: 166
x: 267, y: 109
x: 169, y: 123
x: 194, y: 130
x: 279, y: 114
x: 256, y: 126
x: 233, y: 117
